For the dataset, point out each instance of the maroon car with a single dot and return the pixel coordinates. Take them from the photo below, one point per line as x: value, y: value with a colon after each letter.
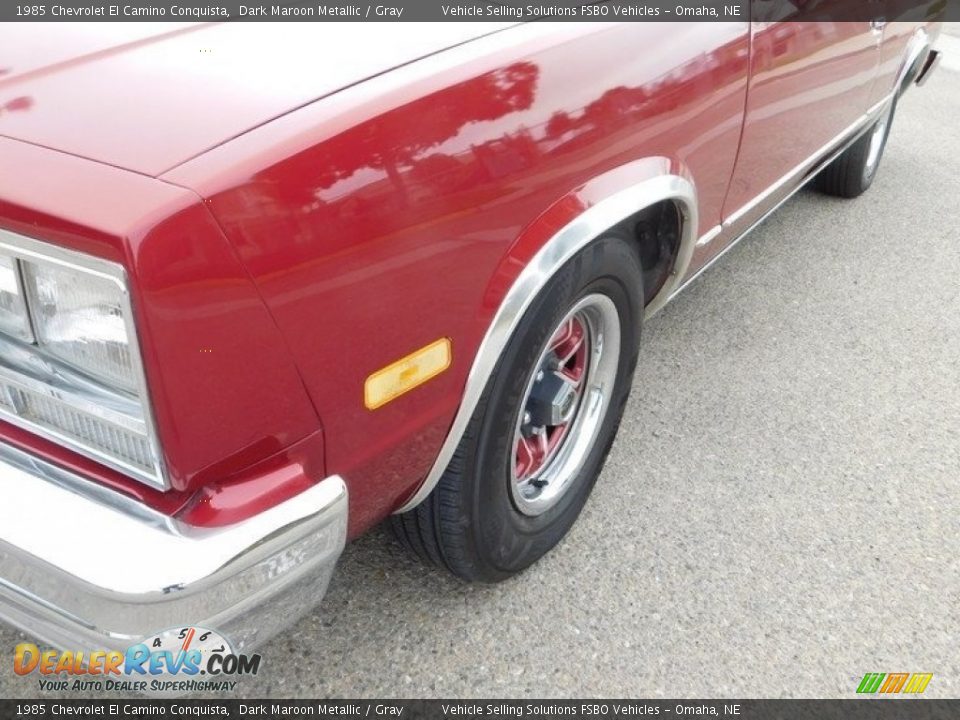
x: 263, y: 287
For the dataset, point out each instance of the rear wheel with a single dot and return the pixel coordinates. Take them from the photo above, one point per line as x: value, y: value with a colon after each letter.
x: 852, y: 173
x: 544, y: 425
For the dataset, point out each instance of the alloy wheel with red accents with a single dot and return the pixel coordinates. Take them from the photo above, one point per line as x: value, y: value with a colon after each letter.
x: 551, y: 403
x: 564, y: 403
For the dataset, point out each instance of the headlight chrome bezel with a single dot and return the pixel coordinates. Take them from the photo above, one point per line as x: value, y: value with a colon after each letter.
x: 76, y: 388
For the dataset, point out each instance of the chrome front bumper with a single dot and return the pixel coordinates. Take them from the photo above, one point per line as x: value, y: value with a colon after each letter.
x: 83, y: 567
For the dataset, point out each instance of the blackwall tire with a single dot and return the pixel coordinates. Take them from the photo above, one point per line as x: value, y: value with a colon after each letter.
x: 853, y: 172
x: 477, y: 522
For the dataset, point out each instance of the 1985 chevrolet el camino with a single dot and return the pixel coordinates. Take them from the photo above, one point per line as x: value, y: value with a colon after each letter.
x: 263, y: 287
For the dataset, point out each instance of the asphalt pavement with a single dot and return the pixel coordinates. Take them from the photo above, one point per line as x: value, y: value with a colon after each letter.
x: 780, y: 513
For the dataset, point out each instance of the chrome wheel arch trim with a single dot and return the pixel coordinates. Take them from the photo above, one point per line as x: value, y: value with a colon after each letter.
x: 562, y: 246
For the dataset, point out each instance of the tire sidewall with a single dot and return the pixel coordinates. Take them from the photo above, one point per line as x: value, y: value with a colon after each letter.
x: 505, y: 540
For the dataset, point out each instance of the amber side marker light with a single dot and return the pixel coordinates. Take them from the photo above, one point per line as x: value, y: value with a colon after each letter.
x: 407, y: 373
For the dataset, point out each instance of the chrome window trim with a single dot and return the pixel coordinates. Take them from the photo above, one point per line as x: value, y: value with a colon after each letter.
x: 563, y: 245
x: 37, y: 251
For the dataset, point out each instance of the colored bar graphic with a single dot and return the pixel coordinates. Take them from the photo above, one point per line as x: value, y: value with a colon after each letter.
x: 918, y: 682
x: 870, y: 682
x: 894, y: 683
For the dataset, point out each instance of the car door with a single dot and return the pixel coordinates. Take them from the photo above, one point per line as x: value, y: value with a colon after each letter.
x: 811, y: 77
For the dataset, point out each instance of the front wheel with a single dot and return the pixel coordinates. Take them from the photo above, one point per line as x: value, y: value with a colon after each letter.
x: 852, y: 173
x: 544, y: 425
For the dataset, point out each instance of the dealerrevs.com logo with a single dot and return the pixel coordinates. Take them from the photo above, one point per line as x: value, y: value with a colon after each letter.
x: 178, y: 660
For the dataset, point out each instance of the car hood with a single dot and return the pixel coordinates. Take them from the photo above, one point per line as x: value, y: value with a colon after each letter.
x: 149, y: 96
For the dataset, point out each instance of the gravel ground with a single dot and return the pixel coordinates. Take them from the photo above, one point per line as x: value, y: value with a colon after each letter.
x: 779, y: 514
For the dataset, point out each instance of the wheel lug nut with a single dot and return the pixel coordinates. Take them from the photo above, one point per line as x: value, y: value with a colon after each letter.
x: 539, y: 375
x: 526, y: 418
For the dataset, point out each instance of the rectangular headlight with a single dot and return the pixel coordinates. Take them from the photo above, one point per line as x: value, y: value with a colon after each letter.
x: 79, y: 318
x: 70, y: 365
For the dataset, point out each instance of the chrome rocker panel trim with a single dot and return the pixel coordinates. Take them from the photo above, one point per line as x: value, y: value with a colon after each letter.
x: 549, y: 259
x: 82, y: 567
